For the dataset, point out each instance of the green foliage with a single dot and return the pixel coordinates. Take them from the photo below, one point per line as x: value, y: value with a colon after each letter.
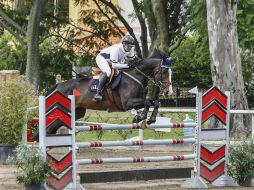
x: 85, y: 60
x: 248, y: 70
x: 245, y: 23
x: 192, y: 56
x: 55, y: 60
x: 15, y: 97
x: 57, y: 52
x: 98, y: 28
x: 198, y: 16
x: 34, y: 168
x: 241, y: 165
x: 12, y: 55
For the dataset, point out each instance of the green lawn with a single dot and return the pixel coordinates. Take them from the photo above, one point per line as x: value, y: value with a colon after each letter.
x: 126, y: 118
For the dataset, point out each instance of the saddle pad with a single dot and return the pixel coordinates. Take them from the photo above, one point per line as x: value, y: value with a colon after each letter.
x: 93, y: 85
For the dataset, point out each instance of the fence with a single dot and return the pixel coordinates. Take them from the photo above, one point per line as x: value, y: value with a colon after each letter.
x: 52, y: 115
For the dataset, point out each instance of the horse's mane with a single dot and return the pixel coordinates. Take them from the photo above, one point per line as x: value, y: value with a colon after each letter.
x: 157, y: 54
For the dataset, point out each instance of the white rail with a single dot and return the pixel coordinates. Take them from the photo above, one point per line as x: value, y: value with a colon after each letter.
x: 134, y: 143
x: 136, y: 159
x: 191, y: 110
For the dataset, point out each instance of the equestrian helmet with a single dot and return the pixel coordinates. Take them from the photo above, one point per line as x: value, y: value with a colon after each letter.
x: 128, y: 39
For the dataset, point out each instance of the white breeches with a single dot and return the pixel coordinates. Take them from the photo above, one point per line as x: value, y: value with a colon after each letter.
x: 103, y: 64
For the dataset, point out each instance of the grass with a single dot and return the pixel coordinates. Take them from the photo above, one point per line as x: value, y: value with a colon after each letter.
x: 126, y: 118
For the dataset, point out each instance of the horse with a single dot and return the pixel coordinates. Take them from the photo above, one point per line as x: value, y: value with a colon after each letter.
x: 154, y: 91
x: 129, y: 93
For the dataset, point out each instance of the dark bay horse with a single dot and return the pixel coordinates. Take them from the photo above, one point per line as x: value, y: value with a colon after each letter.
x: 152, y: 99
x: 129, y: 94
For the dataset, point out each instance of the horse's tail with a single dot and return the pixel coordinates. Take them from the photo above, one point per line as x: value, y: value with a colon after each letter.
x: 52, y: 89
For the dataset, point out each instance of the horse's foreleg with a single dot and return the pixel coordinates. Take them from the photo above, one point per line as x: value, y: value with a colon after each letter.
x: 152, y: 119
x: 146, y: 109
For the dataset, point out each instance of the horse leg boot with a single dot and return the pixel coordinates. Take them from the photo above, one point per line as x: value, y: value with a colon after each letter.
x: 146, y: 110
x: 102, y: 81
x: 152, y: 119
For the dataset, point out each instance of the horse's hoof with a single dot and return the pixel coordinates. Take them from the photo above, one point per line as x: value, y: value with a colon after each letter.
x: 143, y: 117
x: 136, y: 119
x: 150, y: 121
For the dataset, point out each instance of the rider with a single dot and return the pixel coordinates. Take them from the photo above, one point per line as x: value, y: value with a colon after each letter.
x: 114, y: 56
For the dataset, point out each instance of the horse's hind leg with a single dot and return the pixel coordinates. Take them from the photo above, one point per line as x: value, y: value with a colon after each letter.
x: 79, y: 112
x: 152, y: 119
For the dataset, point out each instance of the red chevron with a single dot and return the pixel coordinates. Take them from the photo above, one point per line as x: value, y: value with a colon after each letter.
x: 211, y: 175
x: 214, y: 94
x: 60, y: 165
x: 57, y: 97
x: 214, y: 109
x: 212, y: 157
x: 57, y: 183
x: 57, y: 114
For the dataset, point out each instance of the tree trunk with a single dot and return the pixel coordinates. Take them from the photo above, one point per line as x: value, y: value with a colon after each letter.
x: 225, y: 59
x: 163, y: 40
x: 143, y: 37
x: 33, y: 64
x: 151, y: 25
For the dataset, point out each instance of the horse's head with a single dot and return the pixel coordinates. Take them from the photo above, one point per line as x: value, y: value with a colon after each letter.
x: 164, y: 76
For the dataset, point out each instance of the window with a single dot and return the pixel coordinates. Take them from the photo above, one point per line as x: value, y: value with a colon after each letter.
x: 61, y: 7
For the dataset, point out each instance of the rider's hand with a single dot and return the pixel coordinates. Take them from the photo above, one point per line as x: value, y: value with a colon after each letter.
x: 131, y: 65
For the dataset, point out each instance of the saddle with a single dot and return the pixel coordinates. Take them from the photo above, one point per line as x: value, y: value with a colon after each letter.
x: 112, y: 83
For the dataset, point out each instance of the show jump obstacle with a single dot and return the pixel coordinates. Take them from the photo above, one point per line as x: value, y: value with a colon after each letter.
x: 210, y: 164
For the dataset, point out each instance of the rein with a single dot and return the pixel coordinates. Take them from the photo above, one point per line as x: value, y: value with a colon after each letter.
x: 158, y: 84
x: 132, y: 77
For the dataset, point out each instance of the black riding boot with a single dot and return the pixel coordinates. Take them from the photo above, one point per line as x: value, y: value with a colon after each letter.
x: 102, y: 81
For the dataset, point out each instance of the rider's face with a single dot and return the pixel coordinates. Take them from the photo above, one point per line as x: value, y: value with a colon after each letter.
x: 127, y: 47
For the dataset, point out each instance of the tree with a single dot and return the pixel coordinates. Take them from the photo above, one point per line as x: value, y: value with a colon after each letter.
x: 31, y: 34
x: 170, y: 24
x: 245, y: 30
x: 33, y: 63
x: 225, y: 59
x: 193, y: 57
x: 166, y: 20
x: 30, y: 28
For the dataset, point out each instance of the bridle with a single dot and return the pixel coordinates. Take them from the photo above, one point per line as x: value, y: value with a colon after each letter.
x: 156, y: 83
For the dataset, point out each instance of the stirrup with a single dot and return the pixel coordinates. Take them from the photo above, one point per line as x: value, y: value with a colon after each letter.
x: 97, y: 97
